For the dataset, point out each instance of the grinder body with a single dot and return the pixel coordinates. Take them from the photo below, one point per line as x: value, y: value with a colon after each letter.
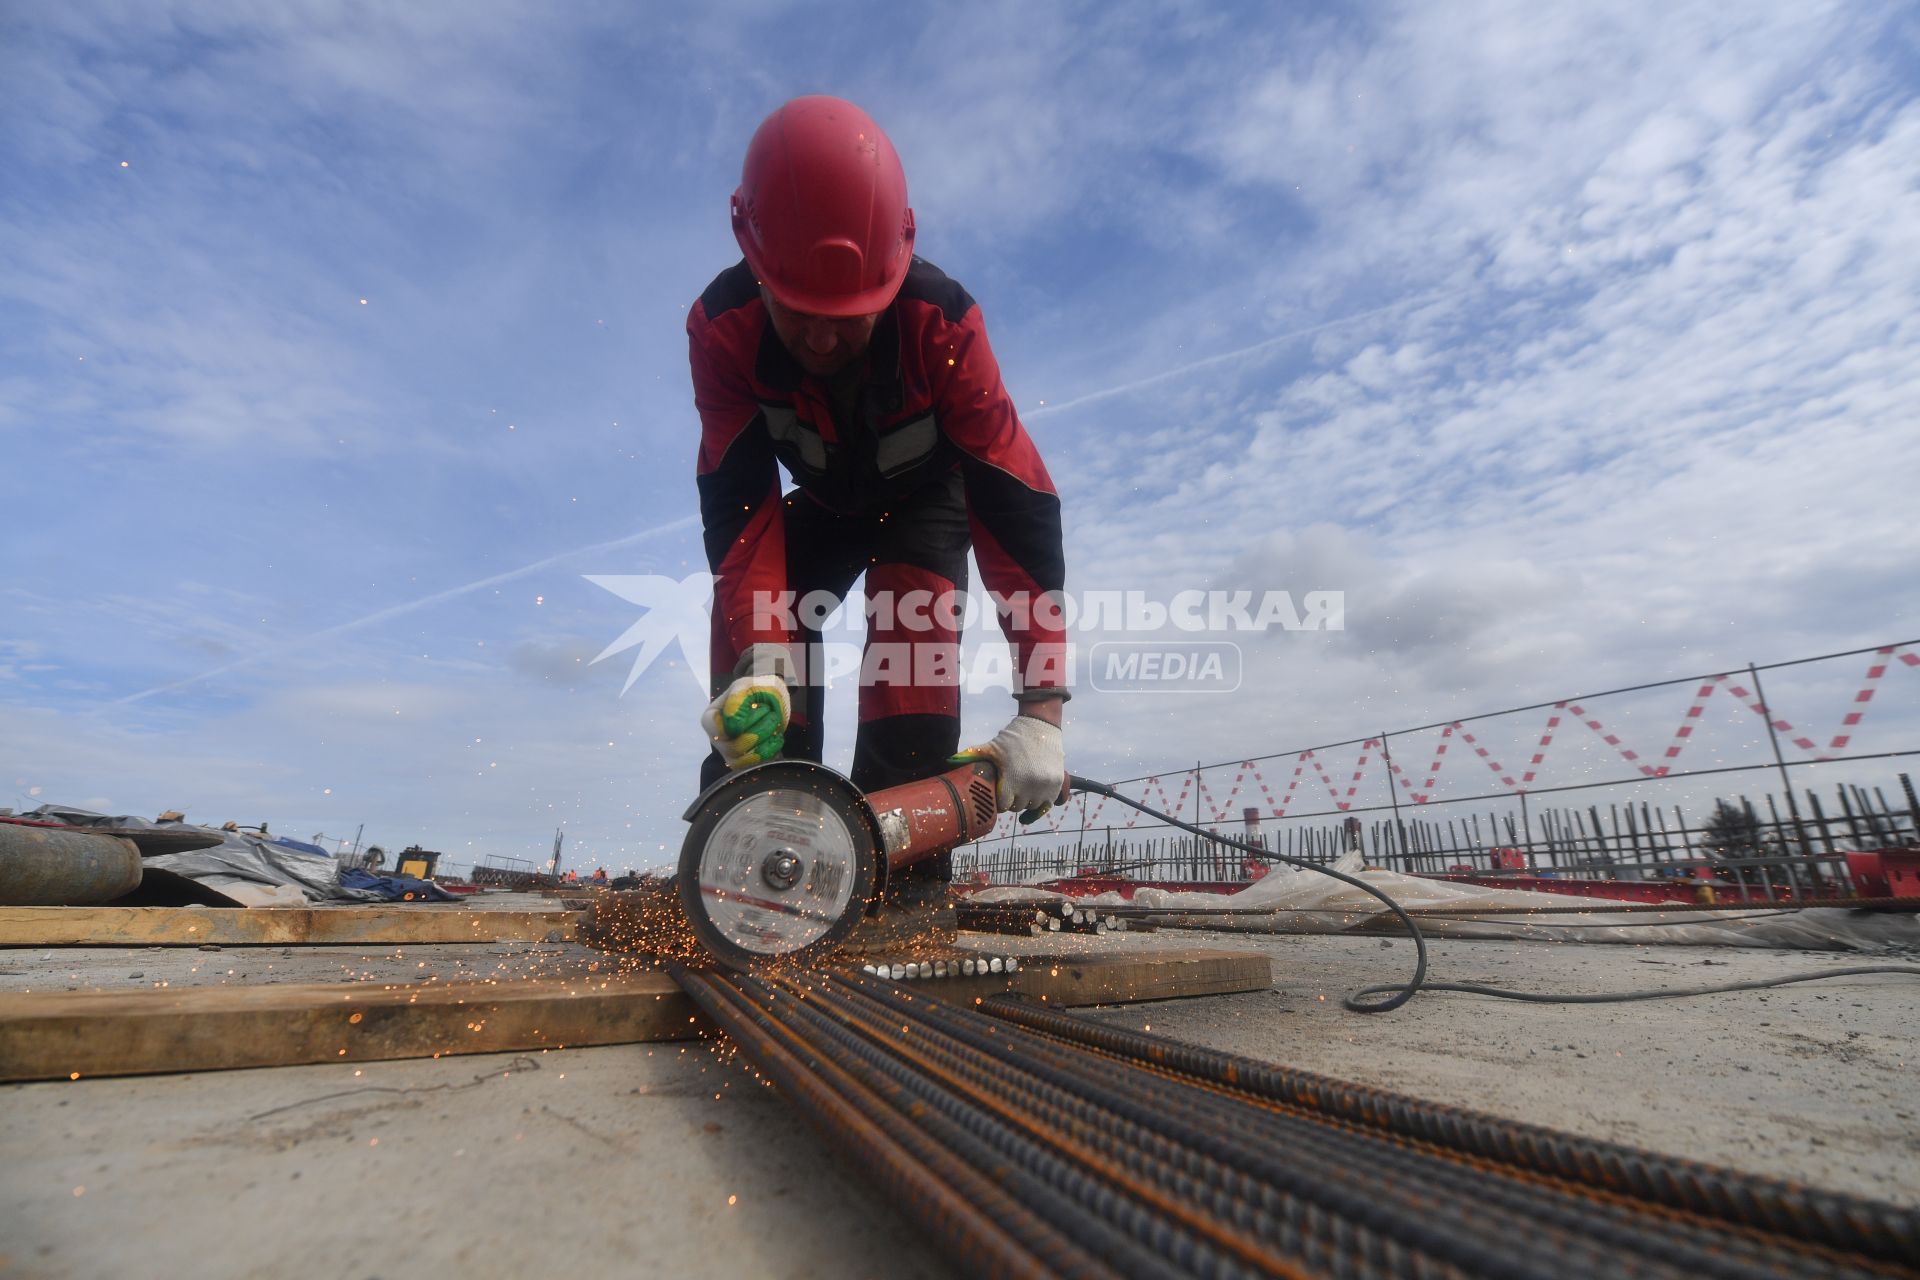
x: 918, y: 820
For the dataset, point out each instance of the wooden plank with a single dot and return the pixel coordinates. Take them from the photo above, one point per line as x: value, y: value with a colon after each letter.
x: 275, y: 926
x: 1118, y: 979
x: 113, y: 1033
x: 55, y: 1035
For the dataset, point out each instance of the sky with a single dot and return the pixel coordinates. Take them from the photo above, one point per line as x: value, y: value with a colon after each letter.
x: 344, y: 383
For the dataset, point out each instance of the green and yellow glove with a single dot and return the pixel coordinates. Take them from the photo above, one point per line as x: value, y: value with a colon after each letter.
x: 747, y: 723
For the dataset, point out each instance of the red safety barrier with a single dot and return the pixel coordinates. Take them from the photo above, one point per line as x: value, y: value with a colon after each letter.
x: 1309, y: 769
x: 1886, y: 873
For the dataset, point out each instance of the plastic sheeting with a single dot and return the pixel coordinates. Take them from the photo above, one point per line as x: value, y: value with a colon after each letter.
x: 395, y: 888
x: 261, y: 872
x: 1291, y: 900
x: 254, y: 871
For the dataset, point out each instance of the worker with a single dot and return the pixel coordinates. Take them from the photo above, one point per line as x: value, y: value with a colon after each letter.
x: 834, y: 351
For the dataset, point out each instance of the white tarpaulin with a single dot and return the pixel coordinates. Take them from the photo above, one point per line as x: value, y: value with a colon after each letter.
x: 254, y: 870
x: 1290, y: 900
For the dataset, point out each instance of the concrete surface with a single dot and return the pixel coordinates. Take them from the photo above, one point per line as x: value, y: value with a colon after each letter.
x: 590, y: 1162
x: 620, y: 1161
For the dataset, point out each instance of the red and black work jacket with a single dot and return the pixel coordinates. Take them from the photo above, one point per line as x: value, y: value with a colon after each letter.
x: 933, y: 401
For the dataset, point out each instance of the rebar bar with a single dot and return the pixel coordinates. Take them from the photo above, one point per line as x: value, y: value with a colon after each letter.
x: 1029, y: 1141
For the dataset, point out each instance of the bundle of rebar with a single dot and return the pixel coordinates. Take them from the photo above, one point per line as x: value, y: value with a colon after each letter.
x: 952, y: 967
x: 1026, y: 1142
x: 1035, y: 919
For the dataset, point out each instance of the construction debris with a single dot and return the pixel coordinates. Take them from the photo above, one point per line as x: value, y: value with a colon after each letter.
x: 1287, y: 900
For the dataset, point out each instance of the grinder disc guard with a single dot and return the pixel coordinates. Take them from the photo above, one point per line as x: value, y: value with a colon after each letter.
x: 779, y: 862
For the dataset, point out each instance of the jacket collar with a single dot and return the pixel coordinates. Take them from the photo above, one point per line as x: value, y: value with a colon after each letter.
x: 774, y: 366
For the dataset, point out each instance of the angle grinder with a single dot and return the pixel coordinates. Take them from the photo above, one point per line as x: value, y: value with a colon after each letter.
x: 784, y: 858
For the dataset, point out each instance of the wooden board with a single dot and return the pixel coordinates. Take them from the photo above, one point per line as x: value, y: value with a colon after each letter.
x: 1115, y: 979
x: 53, y: 1036
x: 274, y: 926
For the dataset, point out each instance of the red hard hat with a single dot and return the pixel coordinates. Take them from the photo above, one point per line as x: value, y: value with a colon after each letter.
x: 821, y: 212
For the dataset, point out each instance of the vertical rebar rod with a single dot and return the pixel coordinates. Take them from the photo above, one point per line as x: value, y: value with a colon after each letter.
x: 1779, y: 757
x: 1787, y: 863
x: 1393, y: 792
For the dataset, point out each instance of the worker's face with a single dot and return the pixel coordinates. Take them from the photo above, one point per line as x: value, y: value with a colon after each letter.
x: 821, y: 344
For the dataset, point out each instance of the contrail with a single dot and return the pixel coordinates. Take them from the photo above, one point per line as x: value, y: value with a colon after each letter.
x: 394, y: 611
x: 1124, y: 388
x: 1209, y: 361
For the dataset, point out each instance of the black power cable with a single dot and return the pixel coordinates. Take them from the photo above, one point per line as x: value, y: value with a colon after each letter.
x: 1401, y: 994
x: 1617, y: 997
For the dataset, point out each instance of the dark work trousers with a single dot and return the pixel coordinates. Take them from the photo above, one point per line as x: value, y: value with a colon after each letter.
x: 908, y: 726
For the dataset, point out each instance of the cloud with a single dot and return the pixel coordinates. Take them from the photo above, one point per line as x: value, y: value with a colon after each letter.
x: 353, y: 708
x: 562, y: 661
x: 1577, y: 347
x: 311, y: 639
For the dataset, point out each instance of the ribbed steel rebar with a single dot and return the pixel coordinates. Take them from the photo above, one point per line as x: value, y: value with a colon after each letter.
x: 1138, y: 1158
x: 1159, y: 1247
x: 1422, y: 1178
x: 1028, y: 1141
x: 1436, y: 1206
x: 1771, y: 1205
x: 978, y: 1225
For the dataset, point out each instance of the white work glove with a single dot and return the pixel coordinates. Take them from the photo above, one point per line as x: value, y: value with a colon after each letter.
x: 747, y: 723
x: 1032, y: 759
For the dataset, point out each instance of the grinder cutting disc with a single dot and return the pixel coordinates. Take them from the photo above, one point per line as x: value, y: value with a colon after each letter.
x: 779, y: 863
